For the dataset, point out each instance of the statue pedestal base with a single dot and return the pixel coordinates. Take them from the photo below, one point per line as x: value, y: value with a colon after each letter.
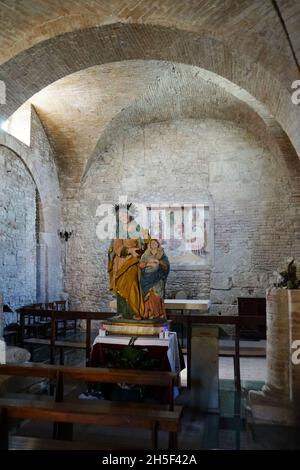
x: 121, y: 326
x: 271, y: 410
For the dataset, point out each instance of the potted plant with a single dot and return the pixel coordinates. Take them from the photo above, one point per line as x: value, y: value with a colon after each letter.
x: 129, y: 357
x: 287, y: 278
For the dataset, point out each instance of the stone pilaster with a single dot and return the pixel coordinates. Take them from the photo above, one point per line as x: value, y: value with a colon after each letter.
x: 294, y: 326
x: 279, y: 400
x: 277, y: 384
x: 1, y: 316
x: 2, y: 342
x: 205, y: 369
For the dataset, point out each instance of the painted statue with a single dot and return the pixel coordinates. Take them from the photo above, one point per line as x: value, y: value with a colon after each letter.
x: 138, y: 269
x: 123, y: 264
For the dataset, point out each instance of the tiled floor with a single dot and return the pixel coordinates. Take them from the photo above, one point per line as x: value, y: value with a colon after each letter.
x: 252, y: 368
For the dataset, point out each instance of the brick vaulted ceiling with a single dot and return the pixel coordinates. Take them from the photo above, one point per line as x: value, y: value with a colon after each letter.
x: 43, y: 41
x: 85, y: 112
x: 24, y: 23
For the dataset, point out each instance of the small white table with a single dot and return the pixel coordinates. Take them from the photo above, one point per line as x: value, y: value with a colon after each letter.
x: 187, y: 304
x: 201, y: 305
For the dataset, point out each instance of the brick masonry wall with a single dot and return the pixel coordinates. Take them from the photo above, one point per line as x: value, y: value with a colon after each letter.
x: 77, y: 35
x: 17, y: 231
x: 38, y: 158
x: 256, y: 219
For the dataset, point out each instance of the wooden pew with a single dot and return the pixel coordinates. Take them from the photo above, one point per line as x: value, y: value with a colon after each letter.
x: 106, y: 413
x: 56, y: 316
x: 61, y: 345
x: 11, y: 337
x: 238, y: 322
x: 100, y: 414
x: 35, y: 323
x: 93, y: 375
x: 33, y: 443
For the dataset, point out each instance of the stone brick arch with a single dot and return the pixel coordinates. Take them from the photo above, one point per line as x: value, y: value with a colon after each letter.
x: 38, y: 160
x: 28, y: 72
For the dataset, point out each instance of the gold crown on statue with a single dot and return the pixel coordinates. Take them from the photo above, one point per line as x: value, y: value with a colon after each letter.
x: 128, y: 207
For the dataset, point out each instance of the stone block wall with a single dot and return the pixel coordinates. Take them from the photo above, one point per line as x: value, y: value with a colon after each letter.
x: 17, y: 231
x: 256, y: 217
x: 30, y: 248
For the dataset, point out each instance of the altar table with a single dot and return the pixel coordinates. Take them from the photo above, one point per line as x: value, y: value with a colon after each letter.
x: 187, y: 304
x: 167, y: 351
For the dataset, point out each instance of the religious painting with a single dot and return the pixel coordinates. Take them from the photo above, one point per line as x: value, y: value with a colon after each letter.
x: 185, y: 231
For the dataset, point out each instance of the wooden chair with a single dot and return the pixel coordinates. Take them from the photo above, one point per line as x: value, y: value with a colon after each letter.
x: 61, y: 306
x: 32, y: 323
x: 35, y: 324
x: 255, y: 306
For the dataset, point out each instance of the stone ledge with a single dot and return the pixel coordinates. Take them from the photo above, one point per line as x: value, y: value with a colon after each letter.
x: 15, y: 355
x: 267, y: 410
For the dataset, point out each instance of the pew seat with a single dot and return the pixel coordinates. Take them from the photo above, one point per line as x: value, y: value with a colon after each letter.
x: 34, y: 443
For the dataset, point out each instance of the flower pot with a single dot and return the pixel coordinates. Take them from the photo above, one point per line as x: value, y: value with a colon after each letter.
x: 126, y: 393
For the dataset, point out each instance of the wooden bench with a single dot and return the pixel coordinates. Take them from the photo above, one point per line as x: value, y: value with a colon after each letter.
x: 253, y: 306
x: 100, y: 414
x: 55, y: 316
x: 106, y: 413
x: 61, y: 345
x: 61, y: 373
x: 33, y: 443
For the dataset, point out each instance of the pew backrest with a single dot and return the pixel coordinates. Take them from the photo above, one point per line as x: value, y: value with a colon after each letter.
x: 164, y: 379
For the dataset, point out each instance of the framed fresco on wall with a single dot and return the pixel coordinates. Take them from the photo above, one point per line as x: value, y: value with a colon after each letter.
x: 185, y: 231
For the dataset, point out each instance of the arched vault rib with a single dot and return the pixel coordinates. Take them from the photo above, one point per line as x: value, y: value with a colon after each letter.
x: 28, y: 72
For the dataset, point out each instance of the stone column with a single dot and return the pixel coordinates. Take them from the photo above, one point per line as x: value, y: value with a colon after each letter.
x: 205, y: 368
x: 42, y: 278
x: 279, y: 400
x: 294, y: 324
x: 2, y: 342
x: 277, y: 384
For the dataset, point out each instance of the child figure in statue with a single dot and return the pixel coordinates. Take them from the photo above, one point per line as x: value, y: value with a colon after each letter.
x: 155, y: 268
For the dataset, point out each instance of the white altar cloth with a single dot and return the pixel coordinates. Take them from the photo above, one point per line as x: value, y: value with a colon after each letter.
x: 171, y: 343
